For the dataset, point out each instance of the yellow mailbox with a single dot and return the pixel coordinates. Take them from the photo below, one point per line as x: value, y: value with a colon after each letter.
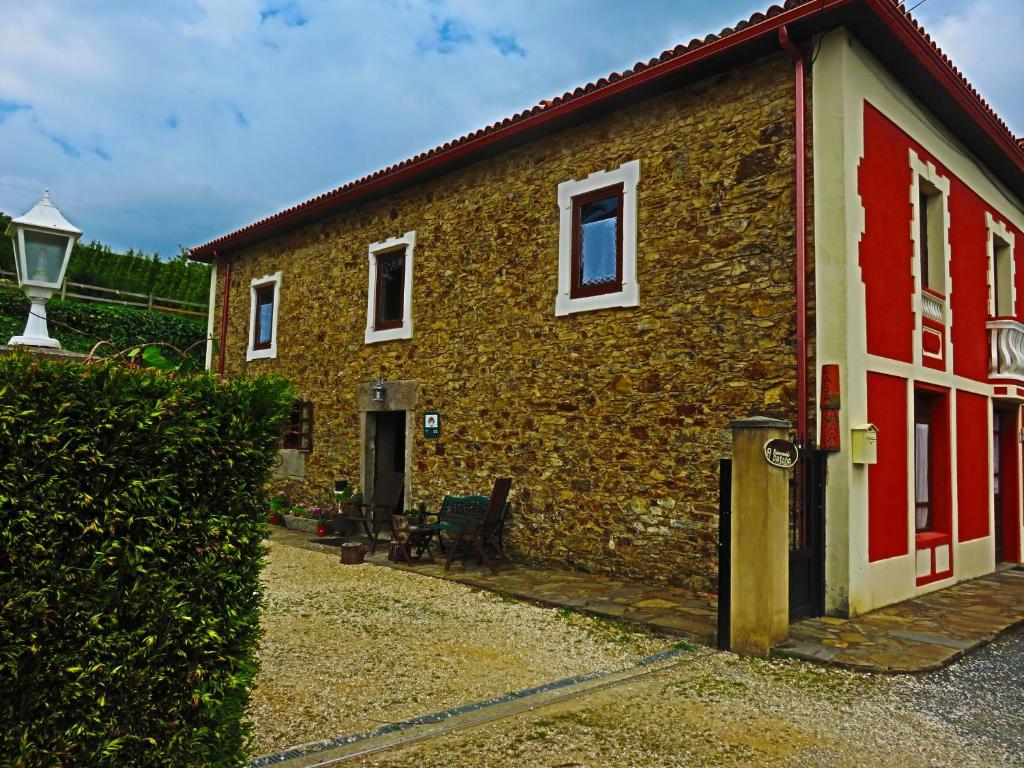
x: 864, y: 443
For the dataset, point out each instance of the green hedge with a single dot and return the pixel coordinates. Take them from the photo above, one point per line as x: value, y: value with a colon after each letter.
x: 78, y: 325
x: 132, y: 512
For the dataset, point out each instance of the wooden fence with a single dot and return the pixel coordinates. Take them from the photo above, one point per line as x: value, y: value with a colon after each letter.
x: 131, y: 299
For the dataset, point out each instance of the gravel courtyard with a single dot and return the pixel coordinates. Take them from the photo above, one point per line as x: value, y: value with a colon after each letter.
x: 348, y: 648
x: 719, y: 710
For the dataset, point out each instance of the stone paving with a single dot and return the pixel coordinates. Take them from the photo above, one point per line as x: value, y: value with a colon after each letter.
x: 661, y: 608
x: 917, y: 635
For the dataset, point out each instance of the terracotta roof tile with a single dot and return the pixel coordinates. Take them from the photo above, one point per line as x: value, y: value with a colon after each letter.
x: 604, y: 82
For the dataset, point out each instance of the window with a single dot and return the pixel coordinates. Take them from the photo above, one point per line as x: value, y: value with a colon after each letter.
x: 298, y: 435
x: 597, y: 241
x: 390, y: 290
x: 389, y: 302
x: 1002, y: 291
x: 264, y: 298
x: 930, y: 236
x: 263, y: 335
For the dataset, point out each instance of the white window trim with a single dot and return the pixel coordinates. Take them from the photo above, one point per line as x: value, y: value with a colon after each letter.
x: 628, y: 175
x: 404, y: 331
x: 997, y: 228
x: 257, y: 282
x: 927, y: 171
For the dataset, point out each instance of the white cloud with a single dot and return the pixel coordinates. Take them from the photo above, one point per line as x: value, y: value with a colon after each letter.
x: 983, y: 39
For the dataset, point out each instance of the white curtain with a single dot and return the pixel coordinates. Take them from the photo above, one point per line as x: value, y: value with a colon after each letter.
x: 921, y: 489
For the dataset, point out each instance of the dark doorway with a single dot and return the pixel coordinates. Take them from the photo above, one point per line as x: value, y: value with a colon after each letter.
x: 389, y: 442
x: 1004, y: 483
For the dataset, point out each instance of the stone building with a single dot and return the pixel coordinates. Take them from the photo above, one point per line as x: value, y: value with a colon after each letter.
x: 589, y: 292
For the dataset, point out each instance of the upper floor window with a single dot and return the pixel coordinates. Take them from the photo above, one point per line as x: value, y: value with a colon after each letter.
x: 1002, y: 290
x: 298, y: 433
x: 929, y: 193
x: 264, y: 298
x: 389, y: 303
x: 597, y: 241
x: 929, y: 237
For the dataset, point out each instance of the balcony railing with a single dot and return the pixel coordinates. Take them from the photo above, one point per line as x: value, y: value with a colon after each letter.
x: 933, y: 306
x: 1006, y: 347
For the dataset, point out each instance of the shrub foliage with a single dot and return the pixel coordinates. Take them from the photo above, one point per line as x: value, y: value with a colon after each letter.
x: 78, y: 325
x: 132, y: 511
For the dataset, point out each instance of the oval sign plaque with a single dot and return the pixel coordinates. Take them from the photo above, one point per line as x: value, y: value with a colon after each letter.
x: 780, y: 453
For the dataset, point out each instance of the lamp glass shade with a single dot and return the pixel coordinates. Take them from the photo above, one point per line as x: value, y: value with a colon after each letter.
x: 43, y: 258
x: 17, y: 255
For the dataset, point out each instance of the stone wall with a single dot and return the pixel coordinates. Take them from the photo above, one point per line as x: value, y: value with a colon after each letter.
x: 610, y: 422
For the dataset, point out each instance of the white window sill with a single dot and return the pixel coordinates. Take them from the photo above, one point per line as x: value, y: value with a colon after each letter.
x: 261, y: 354
x: 391, y: 334
x: 629, y: 296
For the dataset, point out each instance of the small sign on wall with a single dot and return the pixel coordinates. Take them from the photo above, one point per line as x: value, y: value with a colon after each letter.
x: 431, y: 424
x: 780, y: 453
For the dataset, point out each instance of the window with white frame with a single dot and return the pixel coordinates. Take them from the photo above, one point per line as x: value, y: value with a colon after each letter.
x: 929, y: 193
x: 389, y: 293
x: 1002, y: 292
x: 597, y: 241
x: 264, y: 302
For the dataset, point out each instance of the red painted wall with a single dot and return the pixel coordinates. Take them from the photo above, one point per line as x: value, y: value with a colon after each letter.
x: 886, y: 250
x: 974, y: 482
x: 888, y: 508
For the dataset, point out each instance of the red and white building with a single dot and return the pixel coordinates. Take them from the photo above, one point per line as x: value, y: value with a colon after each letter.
x: 919, y: 266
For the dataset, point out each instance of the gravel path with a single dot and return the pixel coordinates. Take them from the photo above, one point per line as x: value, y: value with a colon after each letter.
x: 347, y: 648
x: 981, y: 697
x: 720, y: 711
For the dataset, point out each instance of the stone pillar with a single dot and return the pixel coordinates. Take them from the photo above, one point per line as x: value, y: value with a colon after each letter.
x: 760, y: 539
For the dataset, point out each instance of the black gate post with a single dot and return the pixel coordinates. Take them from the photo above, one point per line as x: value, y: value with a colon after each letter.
x: 724, y: 553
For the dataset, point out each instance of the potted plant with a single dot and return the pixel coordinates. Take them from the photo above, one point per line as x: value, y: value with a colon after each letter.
x: 278, y: 504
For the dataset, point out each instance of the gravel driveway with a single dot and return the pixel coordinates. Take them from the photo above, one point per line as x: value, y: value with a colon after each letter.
x: 347, y: 648
x: 720, y: 710
x: 982, y: 697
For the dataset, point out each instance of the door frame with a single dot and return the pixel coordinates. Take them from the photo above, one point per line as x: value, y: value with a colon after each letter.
x: 1009, y: 517
x: 398, y: 396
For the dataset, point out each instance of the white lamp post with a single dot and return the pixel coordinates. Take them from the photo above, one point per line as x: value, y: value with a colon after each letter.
x: 43, y: 240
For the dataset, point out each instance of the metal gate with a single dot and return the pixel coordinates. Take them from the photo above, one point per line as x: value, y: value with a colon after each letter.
x: 807, y: 536
x: 724, y: 552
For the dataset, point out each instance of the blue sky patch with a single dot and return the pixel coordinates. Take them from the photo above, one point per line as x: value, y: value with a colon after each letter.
x: 508, y: 45
x: 448, y: 36
x: 8, y: 108
x: 290, y: 14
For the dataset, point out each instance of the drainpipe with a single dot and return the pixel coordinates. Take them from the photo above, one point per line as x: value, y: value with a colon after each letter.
x: 801, y: 239
x: 224, y: 312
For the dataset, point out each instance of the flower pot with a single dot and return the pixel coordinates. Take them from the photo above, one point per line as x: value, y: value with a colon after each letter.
x: 352, y: 553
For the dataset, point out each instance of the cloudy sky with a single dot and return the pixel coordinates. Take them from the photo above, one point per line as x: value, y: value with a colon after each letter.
x: 159, y: 122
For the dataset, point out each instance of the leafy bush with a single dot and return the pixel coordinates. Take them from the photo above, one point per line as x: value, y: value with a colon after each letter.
x: 78, y: 325
x: 132, y: 510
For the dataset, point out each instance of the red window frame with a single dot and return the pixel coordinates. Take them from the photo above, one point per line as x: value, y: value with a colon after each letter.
x: 298, y: 435
x: 577, y: 289
x: 380, y: 324
x: 264, y: 295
